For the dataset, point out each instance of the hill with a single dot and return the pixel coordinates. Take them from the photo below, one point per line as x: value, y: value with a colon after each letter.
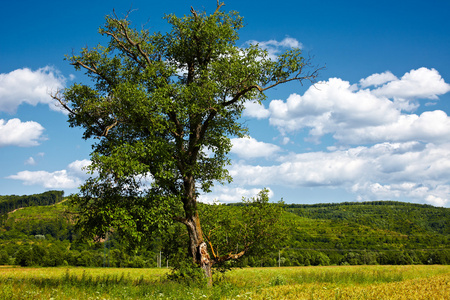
x: 401, y: 217
x: 13, y: 202
x: 381, y: 232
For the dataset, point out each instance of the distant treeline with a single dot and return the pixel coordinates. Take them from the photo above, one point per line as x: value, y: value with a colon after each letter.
x: 12, y: 202
x: 367, y: 203
x: 380, y: 232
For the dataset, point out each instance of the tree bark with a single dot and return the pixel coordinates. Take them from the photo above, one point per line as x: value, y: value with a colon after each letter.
x: 198, y: 249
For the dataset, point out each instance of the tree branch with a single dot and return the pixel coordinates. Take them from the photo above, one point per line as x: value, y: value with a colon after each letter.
x: 180, y: 219
x: 108, y: 128
x: 211, y: 246
x: 104, y: 129
x: 63, y: 103
x: 194, y: 13
x: 130, y: 53
x: 133, y: 43
x: 242, y: 93
x: 230, y: 256
x: 92, y: 69
x: 219, y: 5
x: 245, y: 90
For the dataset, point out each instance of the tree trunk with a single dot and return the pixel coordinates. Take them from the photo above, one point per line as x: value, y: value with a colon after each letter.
x: 197, y: 246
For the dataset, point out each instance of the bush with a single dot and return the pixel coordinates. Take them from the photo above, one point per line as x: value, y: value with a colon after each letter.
x: 4, y: 257
x: 24, y: 257
x: 186, y: 272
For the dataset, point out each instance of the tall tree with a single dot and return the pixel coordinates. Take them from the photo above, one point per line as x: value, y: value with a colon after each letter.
x: 162, y: 109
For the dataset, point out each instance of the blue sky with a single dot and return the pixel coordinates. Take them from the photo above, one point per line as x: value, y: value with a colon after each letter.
x: 375, y: 127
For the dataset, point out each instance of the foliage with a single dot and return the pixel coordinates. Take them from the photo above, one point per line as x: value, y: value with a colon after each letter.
x: 307, y: 241
x: 388, y: 215
x: 186, y: 272
x: 163, y: 107
x: 45, y: 221
x: 255, y: 228
x: 12, y: 202
x: 373, y: 225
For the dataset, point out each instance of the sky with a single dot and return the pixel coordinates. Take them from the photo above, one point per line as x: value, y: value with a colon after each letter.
x: 375, y: 126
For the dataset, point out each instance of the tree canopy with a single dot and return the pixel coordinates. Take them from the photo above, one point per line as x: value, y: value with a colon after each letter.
x: 162, y: 109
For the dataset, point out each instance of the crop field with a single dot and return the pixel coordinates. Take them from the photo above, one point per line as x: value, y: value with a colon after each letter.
x: 334, y: 282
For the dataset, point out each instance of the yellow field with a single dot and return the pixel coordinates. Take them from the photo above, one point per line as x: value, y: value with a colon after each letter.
x: 437, y: 287
x: 349, y: 282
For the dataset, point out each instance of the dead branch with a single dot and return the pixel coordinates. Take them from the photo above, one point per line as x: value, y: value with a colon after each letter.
x: 56, y: 96
x: 219, y: 5
x: 194, y: 13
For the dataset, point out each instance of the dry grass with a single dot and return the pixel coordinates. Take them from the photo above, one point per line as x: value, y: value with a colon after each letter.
x: 437, y: 287
x: 350, y: 282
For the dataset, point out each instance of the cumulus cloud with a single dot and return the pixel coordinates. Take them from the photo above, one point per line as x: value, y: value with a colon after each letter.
x: 377, y: 79
x: 224, y: 194
x: 72, y: 177
x: 421, y: 83
x: 416, y: 192
x: 23, y: 134
x: 329, y: 106
x: 251, y: 148
x: 303, y: 170
x: 51, y: 180
x: 430, y: 126
x: 256, y: 110
x: 28, y: 86
x: 355, y: 115
x: 387, y: 171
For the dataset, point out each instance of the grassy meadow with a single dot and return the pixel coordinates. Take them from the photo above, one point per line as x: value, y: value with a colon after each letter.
x: 332, y: 282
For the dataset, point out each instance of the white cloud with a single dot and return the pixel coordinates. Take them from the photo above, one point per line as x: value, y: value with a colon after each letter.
x: 430, y: 126
x: 285, y: 140
x: 437, y: 201
x: 78, y: 168
x: 306, y: 169
x: 275, y: 47
x: 355, y: 115
x: 256, y: 110
x: 224, y: 194
x: 50, y: 180
x: 437, y: 196
x: 251, y: 148
x: 389, y: 171
x: 329, y: 106
x: 30, y: 161
x: 31, y: 87
x: 421, y: 83
x: 22, y: 134
x: 377, y: 79
x: 73, y: 177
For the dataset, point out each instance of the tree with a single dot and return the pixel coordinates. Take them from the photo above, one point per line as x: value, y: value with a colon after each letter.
x: 162, y: 109
x: 256, y: 227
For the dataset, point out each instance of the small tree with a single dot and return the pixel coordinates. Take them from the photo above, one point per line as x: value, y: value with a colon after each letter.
x: 159, y: 104
x: 254, y: 227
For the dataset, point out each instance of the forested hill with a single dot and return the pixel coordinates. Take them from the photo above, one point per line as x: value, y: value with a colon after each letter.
x: 13, y: 202
x: 401, y: 217
x: 381, y: 232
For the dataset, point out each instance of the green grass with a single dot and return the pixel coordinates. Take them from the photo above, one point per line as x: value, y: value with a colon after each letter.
x: 248, y: 283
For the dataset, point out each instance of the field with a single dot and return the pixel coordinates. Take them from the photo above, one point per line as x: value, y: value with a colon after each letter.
x: 347, y: 282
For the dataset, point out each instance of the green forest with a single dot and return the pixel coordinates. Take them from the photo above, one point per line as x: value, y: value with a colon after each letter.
x: 38, y: 230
